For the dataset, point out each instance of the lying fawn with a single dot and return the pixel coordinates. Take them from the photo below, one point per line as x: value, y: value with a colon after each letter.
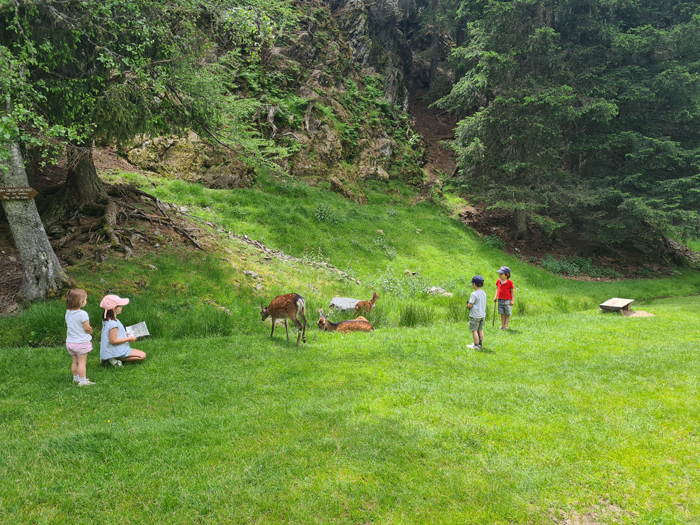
x: 366, y: 306
x: 353, y: 325
x: 285, y: 307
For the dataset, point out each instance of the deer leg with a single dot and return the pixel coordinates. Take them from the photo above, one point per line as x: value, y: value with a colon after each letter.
x: 273, y: 326
x: 298, y: 324
x: 286, y: 328
x: 303, y: 318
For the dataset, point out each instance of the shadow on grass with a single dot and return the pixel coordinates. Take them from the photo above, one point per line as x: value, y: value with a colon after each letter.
x: 483, y: 350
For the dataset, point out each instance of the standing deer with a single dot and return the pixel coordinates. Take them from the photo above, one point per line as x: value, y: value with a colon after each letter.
x: 353, y: 325
x: 366, y: 306
x: 285, y: 307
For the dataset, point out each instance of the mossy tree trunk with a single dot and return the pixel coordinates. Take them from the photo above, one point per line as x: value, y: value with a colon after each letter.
x: 519, y: 224
x: 82, y: 185
x: 42, y: 274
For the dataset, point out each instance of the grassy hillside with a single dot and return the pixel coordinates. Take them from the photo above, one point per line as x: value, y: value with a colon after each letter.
x: 183, y: 296
x: 571, y: 415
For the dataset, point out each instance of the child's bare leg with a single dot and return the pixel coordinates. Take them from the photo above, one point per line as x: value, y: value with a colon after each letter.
x: 475, y: 335
x: 74, y: 365
x: 506, y: 321
x: 135, y: 355
x: 81, y: 365
x: 503, y: 320
x: 481, y: 337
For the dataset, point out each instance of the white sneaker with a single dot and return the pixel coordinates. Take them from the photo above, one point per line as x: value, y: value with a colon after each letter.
x: 114, y: 362
x: 87, y: 382
x: 473, y: 347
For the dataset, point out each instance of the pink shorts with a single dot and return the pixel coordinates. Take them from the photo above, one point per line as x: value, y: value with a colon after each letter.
x: 78, y: 348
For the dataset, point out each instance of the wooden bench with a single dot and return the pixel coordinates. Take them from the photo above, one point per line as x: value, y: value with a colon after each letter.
x: 616, y: 305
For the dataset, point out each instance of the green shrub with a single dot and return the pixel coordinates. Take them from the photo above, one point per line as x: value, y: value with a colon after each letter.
x: 383, y: 245
x: 576, y: 266
x: 402, y: 285
x: 325, y: 213
x: 494, y: 241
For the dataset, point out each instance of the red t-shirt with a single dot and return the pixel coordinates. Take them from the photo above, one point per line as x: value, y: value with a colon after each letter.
x: 505, y: 290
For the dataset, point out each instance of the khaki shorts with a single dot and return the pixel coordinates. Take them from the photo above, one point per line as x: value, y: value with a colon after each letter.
x: 504, y: 307
x: 476, y: 324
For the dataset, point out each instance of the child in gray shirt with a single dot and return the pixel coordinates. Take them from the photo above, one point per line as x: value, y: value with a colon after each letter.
x: 477, y: 311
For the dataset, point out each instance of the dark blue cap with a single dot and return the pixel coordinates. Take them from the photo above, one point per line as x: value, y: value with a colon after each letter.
x: 504, y: 269
x: 477, y: 280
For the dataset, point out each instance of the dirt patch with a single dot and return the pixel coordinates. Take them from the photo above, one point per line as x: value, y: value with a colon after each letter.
x: 604, y: 512
x: 434, y: 126
x: 636, y: 313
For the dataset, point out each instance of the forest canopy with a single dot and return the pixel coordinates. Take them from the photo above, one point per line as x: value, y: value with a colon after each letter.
x: 581, y: 113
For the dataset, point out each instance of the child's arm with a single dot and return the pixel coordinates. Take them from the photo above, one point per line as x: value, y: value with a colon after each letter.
x: 113, y: 337
x: 512, y: 296
x: 87, y: 327
x: 470, y: 305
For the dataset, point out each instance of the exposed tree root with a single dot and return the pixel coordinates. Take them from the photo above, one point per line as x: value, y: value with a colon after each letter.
x: 110, y: 222
x: 129, y: 211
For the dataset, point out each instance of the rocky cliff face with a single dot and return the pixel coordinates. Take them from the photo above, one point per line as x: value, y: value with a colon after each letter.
x: 332, y: 91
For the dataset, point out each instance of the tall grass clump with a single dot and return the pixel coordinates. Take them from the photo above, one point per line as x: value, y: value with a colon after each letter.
x: 457, y: 312
x: 412, y: 314
x: 521, y: 306
x: 379, y: 316
x: 560, y: 304
x: 42, y: 324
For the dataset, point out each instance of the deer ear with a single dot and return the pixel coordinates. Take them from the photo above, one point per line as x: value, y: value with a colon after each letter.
x: 261, y: 306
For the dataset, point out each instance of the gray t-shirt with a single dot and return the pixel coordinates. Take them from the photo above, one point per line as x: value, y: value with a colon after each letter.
x: 108, y: 350
x: 478, y: 299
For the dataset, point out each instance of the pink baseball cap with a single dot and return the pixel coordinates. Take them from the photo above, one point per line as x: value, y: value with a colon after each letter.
x: 110, y: 302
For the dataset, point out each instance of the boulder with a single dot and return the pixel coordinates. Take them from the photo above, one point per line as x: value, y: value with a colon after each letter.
x: 343, y: 303
x: 436, y: 290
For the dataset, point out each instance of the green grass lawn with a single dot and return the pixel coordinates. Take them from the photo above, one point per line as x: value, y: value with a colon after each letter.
x: 562, y: 415
x: 571, y: 415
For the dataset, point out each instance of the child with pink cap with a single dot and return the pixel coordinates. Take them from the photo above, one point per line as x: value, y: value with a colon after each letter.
x: 114, y: 346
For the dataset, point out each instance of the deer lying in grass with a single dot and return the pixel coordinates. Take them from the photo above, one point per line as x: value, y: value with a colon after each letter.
x: 353, y: 325
x: 285, y: 307
x: 366, y: 306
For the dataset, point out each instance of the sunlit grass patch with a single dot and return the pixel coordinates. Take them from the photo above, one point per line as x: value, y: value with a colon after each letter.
x: 562, y: 413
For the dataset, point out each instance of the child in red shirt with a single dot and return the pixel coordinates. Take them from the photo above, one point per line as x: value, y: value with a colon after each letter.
x: 505, y: 295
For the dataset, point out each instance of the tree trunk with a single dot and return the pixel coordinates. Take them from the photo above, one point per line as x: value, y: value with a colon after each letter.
x: 519, y: 225
x: 82, y: 185
x: 42, y: 273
